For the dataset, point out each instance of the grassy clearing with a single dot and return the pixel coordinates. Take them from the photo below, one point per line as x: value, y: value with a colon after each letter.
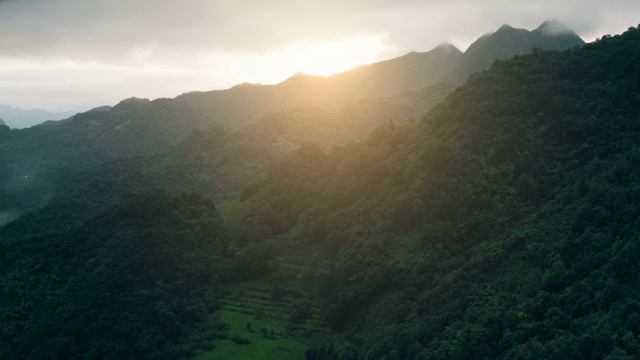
x: 233, y: 212
x: 267, y: 339
x: 264, y: 323
x: 272, y: 317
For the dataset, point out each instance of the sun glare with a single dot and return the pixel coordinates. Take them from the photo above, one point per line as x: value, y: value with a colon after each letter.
x: 314, y: 58
x: 331, y: 57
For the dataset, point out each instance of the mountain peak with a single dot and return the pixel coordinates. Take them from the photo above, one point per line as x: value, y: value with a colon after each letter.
x: 244, y: 85
x: 447, y: 47
x: 508, y: 41
x: 506, y: 27
x: 554, y: 27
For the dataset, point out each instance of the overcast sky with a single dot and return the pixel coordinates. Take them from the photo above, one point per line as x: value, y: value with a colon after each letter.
x: 77, y: 54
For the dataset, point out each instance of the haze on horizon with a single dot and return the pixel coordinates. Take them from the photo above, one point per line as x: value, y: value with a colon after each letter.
x: 75, y: 54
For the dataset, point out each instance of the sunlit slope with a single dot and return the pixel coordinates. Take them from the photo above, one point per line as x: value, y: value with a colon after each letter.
x: 412, y: 72
x: 503, y: 225
x: 31, y: 159
x: 244, y: 104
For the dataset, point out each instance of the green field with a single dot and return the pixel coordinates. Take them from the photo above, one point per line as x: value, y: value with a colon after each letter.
x: 266, y: 322
x: 233, y: 212
x: 266, y: 318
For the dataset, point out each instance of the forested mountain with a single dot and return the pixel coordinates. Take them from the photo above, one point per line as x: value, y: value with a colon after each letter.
x: 412, y: 72
x: 503, y: 225
x: 131, y: 282
x: 33, y: 160
x: 507, y: 42
x: 500, y: 225
x: 47, y: 161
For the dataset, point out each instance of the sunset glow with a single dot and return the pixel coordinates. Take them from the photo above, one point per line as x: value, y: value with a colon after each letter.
x: 315, y: 58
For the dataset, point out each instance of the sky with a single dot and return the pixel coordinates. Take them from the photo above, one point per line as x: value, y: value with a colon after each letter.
x: 63, y: 55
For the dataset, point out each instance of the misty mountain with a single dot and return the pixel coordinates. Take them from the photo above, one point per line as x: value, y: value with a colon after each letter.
x: 412, y: 72
x: 502, y: 224
x: 398, y: 89
x: 507, y: 42
x: 215, y: 161
x: 18, y: 118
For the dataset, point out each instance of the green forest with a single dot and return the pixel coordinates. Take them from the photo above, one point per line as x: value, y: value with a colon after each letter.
x: 502, y: 223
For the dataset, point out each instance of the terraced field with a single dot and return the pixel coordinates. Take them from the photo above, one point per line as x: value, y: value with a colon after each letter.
x: 267, y: 318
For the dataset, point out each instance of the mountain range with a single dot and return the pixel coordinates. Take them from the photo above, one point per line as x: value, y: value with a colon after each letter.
x: 411, y: 72
x: 398, y: 89
x: 18, y: 118
x: 449, y: 215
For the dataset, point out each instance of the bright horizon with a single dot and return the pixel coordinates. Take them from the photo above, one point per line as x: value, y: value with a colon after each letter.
x: 75, y: 55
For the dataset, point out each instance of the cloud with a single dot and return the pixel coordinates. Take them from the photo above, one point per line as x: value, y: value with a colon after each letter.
x: 197, y: 41
x: 116, y: 30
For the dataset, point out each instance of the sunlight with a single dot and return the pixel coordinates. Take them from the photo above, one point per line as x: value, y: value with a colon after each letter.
x: 314, y: 58
x: 331, y: 57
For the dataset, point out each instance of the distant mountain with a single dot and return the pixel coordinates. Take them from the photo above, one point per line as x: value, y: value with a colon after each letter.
x: 244, y: 104
x: 2, y: 122
x: 414, y: 71
x: 507, y: 42
x: 398, y: 89
x: 18, y: 118
x: 410, y: 72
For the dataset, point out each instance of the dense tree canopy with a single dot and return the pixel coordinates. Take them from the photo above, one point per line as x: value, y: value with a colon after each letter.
x: 502, y: 225
x: 131, y: 282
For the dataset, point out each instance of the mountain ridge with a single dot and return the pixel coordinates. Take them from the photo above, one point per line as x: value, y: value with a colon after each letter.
x: 508, y: 41
x: 400, y: 88
x: 18, y: 118
x: 484, y: 229
x: 502, y: 224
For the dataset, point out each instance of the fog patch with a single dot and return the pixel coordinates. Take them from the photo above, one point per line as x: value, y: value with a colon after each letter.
x: 554, y: 27
x: 8, y: 216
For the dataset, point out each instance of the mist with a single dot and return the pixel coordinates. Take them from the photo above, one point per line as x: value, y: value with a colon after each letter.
x: 7, y: 216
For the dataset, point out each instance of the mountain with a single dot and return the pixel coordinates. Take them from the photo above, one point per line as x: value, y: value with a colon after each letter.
x: 411, y: 72
x: 2, y: 122
x: 244, y: 104
x: 503, y: 225
x: 507, y: 42
x: 37, y: 162
x: 18, y: 118
x: 414, y: 71
x: 33, y: 159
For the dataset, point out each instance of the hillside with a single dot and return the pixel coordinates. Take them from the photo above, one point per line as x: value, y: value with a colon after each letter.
x: 501, y: 226
x: 214, y: 161
x: 131, y: 282
x: 34, y: 160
